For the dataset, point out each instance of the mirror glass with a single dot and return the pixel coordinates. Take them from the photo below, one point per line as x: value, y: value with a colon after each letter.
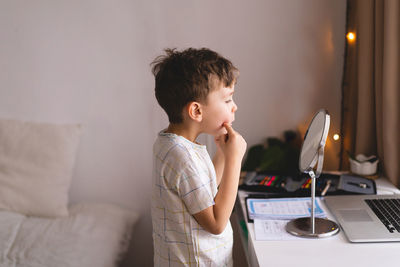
x: 314, y: 138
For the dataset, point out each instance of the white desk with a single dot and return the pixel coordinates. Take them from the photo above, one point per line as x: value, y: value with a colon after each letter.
x: 331, y: 251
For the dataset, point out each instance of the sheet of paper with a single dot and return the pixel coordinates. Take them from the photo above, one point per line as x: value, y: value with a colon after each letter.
x: 272, y: 230
x: 283, y: 208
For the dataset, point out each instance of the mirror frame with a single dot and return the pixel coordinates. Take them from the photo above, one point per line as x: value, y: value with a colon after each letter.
x: 321, y: 143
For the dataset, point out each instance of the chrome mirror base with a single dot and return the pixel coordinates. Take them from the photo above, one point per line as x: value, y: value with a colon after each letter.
x: 302, y: 227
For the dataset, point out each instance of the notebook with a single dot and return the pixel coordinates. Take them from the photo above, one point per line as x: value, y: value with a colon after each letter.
x: 367, y: 218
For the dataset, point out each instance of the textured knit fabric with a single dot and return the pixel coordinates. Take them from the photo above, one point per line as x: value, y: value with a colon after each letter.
x: 184, y: 183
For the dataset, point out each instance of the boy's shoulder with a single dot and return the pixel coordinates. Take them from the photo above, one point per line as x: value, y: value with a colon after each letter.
x: 174, y: 147
x: 167, y: 143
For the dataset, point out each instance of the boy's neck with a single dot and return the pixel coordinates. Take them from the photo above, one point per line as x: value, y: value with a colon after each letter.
x: 184, y: 131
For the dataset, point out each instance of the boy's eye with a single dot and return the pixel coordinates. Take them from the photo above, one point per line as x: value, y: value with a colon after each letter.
x: 228, y: 101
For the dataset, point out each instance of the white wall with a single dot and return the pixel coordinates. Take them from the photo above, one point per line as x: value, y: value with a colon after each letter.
x: 88, y: 61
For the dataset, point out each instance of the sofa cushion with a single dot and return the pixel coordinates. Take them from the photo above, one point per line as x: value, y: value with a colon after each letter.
x: 94, y: 234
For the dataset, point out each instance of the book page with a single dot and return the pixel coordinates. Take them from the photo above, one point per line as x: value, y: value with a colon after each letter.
x: 272, y: 230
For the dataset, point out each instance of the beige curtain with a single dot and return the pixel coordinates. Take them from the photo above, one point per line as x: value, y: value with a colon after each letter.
x: 371, y: 87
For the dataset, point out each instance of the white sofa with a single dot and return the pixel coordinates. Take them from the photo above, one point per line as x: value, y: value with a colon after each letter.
x: 92, y: 235
x: 38, y: 228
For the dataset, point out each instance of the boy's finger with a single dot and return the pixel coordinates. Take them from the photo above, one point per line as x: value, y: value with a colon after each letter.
x: 228, y: 127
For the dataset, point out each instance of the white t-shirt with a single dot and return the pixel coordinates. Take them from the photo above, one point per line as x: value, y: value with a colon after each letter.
x: 184, y: 183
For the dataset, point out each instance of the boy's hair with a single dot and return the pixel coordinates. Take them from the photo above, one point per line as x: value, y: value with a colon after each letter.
x: 189, y: 75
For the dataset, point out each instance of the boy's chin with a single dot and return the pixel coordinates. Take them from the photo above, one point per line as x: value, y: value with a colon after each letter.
x: 218, y: 132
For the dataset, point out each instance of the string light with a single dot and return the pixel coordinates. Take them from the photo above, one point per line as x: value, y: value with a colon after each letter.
x: 336, y: 137
x: 351, y: 36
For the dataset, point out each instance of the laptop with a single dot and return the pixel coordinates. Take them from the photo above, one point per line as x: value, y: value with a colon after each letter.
x: 367, y: 218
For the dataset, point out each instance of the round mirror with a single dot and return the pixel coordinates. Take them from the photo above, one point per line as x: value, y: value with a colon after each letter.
x: 312, y: 152
x: 314, y: 140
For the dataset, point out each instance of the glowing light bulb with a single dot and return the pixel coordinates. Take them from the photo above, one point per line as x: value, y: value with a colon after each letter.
x: 336, y: 137
x: 351, y: 36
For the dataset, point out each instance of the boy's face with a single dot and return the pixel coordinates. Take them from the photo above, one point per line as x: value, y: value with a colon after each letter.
x: 219, y: 109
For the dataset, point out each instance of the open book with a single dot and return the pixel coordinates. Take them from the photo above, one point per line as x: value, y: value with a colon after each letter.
x: 282, y: 208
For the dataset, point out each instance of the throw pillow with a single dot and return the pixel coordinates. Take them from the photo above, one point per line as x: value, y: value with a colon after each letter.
x: 36, y: 166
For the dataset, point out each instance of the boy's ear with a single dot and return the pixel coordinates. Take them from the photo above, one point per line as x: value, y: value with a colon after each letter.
x: 194, y: 111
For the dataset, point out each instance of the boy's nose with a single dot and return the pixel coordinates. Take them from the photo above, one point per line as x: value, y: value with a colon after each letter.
x: 234, y: 108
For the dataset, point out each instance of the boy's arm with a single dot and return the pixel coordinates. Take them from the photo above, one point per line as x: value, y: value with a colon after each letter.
x: 214, y: 218
x: 219, y: 162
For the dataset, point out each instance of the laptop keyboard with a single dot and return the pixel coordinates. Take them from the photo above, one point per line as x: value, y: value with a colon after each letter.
x: 388, y: 211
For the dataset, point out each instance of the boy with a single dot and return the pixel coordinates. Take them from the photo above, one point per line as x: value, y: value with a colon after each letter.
x: 190, y: 215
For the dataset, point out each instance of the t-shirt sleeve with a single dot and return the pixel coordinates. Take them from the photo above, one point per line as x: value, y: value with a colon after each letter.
x: 195, y: 187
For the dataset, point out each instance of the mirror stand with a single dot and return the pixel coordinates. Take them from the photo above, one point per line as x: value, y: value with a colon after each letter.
x: 310, y: 226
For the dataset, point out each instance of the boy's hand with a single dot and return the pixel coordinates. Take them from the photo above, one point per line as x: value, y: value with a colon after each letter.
x: 232, y: 144
x: 214, y: 218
